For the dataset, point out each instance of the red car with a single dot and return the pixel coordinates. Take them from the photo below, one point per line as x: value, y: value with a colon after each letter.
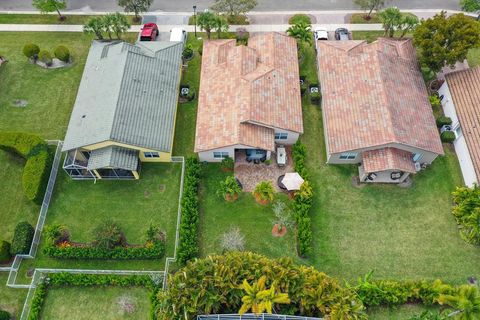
x: 149, y: 32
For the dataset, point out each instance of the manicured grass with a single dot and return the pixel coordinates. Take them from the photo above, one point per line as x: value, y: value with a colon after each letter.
x: 50, y: 94
x: 473, y: 57
x: 82, y: 205
x: 11, y: 300
x: 374, y: 18
x: 92, y: 303
x: 254, y: 221
x: 48, y: 19
x: 399, y: 233
x: 370, y: 36
x: 15, y: 206
x: 403, y: 312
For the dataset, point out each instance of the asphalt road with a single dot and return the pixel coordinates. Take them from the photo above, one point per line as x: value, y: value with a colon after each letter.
x: 263, y: 5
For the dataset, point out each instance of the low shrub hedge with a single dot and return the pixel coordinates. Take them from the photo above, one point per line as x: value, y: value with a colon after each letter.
x: 5, y: 254
x: 299, y: 152
x: 62, y: 53
x: 447, y: 136
x: 315, y: 97
x: 300, y: 18
x: 443, y: 120
x: 22, y: 238
x: 38, y: 161
x: 188, y: 246
x: 5, y: 315
x: 86, y: 280
x: 30, y: 50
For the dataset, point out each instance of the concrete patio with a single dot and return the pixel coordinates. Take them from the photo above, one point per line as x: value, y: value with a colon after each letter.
x: 250, y: 174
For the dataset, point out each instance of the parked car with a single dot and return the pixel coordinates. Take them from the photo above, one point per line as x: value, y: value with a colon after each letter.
x: 256, y: 155
x: 320, y: 34
x: 342, y: 34
x: 149, y: 32
x: 178, y: 34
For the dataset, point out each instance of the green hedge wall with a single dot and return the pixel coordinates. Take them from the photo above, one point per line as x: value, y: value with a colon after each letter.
x: 22, y: 238
x: 38, y: 161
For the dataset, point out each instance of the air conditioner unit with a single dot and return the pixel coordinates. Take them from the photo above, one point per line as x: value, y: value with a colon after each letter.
x: 418, y: 166
x: 446, y: 127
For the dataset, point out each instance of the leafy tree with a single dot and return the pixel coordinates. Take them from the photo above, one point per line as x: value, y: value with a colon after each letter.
x: 470, y: 5
x: 407, y: 24
x: 302, y: 32
x: 46, y: 6
x: 135, y: 6
x: 465, y: 301
x: 221, y: 25
x: 370, y: 5
x: 96, y: 26
x: 119, y: 24
x: 207, y: 21
x: 233, y: 7
x: 260, y: 299
x: 444, y: 41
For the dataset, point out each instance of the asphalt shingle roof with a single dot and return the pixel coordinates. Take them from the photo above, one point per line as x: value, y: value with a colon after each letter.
x: 128, y: 94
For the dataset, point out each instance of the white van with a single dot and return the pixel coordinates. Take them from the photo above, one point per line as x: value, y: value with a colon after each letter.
x: 178, y: 34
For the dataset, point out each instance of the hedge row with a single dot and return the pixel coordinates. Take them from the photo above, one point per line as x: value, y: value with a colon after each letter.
x: 38, y: 161
x: 22, y: 238
x: 155, y: 251
x: 302, y: 203
x: 188, y: 246
x: 86, y: 280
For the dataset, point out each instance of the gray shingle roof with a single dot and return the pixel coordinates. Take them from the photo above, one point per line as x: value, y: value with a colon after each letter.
x: 113, y: 157
x: 128, y: 94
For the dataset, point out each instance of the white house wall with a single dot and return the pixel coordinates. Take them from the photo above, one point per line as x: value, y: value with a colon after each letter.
x: 447, y: 104
x: 208, y: 155
x: 292, y: 137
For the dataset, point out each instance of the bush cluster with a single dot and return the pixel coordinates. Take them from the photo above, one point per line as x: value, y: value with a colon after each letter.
x: 315, y: 97
x: 447, y: 136
x: 109, y: 243
x: 187, y: 53
x: 299, y: 153
x: 5, y: 254
x: 31, y: 50
x: 62, y: 53
x: 467, y: 213
x: 300, y: 18
x: 38, y: 161
x: 220, y: 277
x: 443, y: 120
x: 22, y: 238
x: 85, y: 280
x: 188, y: 246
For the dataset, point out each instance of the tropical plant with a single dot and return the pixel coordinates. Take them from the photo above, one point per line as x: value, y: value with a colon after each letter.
x: 207, y: 21
x: 408, y: 23
x: 118, y: 23
x: 46, y: 6
x: 264, y: 191
x: 135, y: 6
x: 300, y: 17
x: 302, y: 32
x: 108, y: 235
x: 435, y: 101
x: 220, y: 25
x: 369, y: 5
x: 233, y: 7
x: 227, y: 164
x: 233, y: 240
x: 96, y: 26
x: 467, y: 213
x: 430, y: 315
x: 470, y: 5
x: 283, y: 215
x: 259, y: 299
x: 465, y: 302
x: 187, y: 53
x: 391, y: 18
x: 228, y: 188
x: 443, y: 40
x: 56, y: 233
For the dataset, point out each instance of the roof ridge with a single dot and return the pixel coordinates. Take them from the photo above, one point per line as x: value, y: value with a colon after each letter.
x: 385, y: 97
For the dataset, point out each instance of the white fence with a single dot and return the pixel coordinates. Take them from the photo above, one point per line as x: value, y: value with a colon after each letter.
x: 251, y: 316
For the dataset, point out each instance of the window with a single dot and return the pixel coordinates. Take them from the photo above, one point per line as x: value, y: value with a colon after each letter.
x: 348, y: 156
x: 441, y: 97
x: 151, y: 155
x: 220, y: 155
x: 458, y: 132
x: 281, y: 136
x: 416, y: 157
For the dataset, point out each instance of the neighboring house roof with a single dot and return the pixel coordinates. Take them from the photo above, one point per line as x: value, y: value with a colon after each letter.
x: 128, y: 94
x: 247, y: 91
x: 464, y: 87
x: 113, y: 157
x: 374, y: 95
x: 388, y: 159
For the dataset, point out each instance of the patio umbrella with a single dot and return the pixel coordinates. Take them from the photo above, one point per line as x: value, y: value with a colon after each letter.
x: 292, y: 181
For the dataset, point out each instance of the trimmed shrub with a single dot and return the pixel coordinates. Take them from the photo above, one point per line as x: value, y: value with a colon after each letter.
x: 31, y: 50
x: 62, y: 53
x: 442, y: 121
x: 45, y: 57
x: 5, y: 252
x: 299, y: 153
x: 300, y: 18
x: 187, y: 53
x: 191, y: 94
x: 188, y: 246
x: 315, y: 97
x: 435, y: 101
x: 5, y: 315
x: 22, y: 238
x: 200, y: 48
x: 303, y: 88
x: 447, y: 136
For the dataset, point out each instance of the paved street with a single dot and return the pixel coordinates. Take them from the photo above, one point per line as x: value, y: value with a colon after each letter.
x: 263, y: 5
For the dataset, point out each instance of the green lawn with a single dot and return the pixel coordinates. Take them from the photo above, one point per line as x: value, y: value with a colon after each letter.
x: 50, y: 94
x: 48, y: 19
x: 105, y: 303
x: 82, y: 205
x: 15, y: 207
x: 474, y: 57
x: 403, y: 312
x: 374, y: 18
x: 11, y: 300
x: 254, y: 221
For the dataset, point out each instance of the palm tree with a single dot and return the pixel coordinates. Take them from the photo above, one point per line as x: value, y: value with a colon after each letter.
x: 260, y: 299
x: 120, y: 24
x: 465, y: 301
x: 391, y: 18
x: 301, y: 31
x: 408, y: 23
x: 95, y: 26
x: 221, y: 25
x: 207, y: 21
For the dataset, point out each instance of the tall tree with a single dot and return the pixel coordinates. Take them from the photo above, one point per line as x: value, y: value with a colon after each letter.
x: 302, y: 32
x: 444, y: 41
x: 408, y: 23
x: 470, y: 5
x: 233, y: 7
x: 46, y: 6
x: 120, y: 24
x: 135, y: 6
x: 207, y: 21
x: 391, y: 18
x: 370, y: 5
x: 221, y: 25
x: 96, y: 26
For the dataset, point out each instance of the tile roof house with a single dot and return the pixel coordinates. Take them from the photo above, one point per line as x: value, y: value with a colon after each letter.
x: 460, y: 95
x: 249, y: 96
x: 125, y: 109
x: 376, y: 110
